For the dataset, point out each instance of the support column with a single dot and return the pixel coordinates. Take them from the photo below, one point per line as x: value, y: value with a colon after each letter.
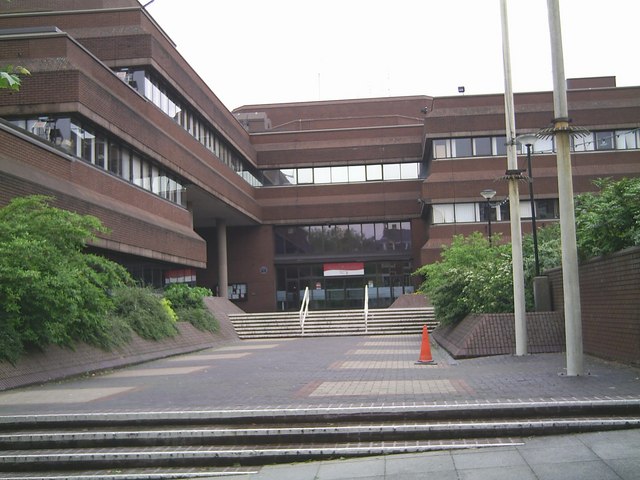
x: 562, y: 131
x: 513, y: 175
x: 223, y: 273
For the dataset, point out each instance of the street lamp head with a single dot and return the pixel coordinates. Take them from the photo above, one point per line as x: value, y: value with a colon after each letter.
x: 527, y: 139
x: 488, y: 194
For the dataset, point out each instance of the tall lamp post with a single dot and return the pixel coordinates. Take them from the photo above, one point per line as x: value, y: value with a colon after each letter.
x: 488, y: 194
x: 528, y: 141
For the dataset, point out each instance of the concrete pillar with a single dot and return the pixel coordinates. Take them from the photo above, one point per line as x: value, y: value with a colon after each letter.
x: 223, y: 272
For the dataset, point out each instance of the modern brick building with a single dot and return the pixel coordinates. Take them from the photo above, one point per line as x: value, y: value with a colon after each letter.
x: 268, y: 199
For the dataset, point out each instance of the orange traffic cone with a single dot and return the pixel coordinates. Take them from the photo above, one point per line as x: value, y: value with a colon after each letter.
x: 425, y: 349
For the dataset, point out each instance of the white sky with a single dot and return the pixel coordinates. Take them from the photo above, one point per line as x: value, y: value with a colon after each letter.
x: 272, y: 51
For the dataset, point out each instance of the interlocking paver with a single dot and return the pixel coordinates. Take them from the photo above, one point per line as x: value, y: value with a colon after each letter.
x: 308, y: 372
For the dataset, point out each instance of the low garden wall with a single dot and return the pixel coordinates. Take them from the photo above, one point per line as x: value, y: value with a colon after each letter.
x: 610, y: 304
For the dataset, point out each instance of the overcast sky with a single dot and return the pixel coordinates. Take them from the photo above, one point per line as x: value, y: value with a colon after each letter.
x: 272, y: 51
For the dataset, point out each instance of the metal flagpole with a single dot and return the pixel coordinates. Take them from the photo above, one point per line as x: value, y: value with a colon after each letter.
x: 562, y: 132
x: 513, y: 175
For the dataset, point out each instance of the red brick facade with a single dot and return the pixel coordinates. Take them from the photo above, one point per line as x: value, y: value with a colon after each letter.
x: 74, y: 73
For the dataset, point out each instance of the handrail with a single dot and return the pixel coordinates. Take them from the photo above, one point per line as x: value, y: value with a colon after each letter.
x: 304, y: 309
x: 366, y: 308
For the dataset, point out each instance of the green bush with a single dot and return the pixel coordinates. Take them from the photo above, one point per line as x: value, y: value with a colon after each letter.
x: 143, y: 310
x: 608, y: 220
x: 200, y: 318
x: 183, y: 296
x: 472, y: 277
x: 51, y: 292
x: 190, y: 307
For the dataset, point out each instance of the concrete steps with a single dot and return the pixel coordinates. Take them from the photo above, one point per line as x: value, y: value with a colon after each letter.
x: 388, y: 321
x: 216, y: 443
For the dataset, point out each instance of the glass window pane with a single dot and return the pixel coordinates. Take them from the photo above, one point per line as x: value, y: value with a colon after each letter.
x: 604, y: 140
x: 391, y: 171
x: 136, y: 169
x: 626, y: 140
x: 409, y: 171
x: 499, y: 145
x: 525, y: 209
x: 322, y: 175
x: 339, y: 174
x: 101, y: 151
x: 443, y: 213
x: 543, y: 145
x: 305, y: 175
x: 461, y: 147
x: 465, y: 212
x: 482, y: 146
x: 583, y: 143
x: 357, y: 173
x: 374, y: 172
x: 441, y: 148
x: 115, y: 159
x: 288, y: 176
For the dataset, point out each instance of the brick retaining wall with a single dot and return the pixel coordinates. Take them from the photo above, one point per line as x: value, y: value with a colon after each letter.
x: 494, y: 334
x: 610, y: 302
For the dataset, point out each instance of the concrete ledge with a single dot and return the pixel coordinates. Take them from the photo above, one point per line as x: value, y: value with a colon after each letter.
x: 494, y: 334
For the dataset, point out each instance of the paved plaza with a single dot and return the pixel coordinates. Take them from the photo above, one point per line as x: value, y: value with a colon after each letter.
x: 342, y: 372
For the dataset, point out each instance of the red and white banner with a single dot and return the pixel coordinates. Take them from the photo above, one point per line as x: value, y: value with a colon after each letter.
x: 343, y: 269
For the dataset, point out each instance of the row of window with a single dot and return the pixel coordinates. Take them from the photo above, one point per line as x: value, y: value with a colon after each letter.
x: 344, y: 174
x: 495, y: 146
x: 159, y: 95
x: 347, y: 238
x: 93, y: 146
x: 546, y: 209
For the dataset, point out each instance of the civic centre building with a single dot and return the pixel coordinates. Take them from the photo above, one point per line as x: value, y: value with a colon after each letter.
x: 263, y: 201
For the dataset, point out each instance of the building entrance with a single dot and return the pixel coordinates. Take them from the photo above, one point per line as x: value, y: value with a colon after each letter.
x: 386, y: 282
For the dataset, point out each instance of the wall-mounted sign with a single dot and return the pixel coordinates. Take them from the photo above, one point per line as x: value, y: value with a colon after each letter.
x: 345, y: 269
x: 185, y: 275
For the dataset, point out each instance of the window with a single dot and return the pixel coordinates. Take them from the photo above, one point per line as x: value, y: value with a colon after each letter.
x: 443, y: 213
x: 339, y: 174
x: 409, y: 171
x: 357, y: 173
x: 482, y: 146
x: 461, y: 147
x: 465, y: 212
x: 499, y: 145
x: 441, y: 148
x: 626, y: 140
x: 305, y: 175
x: 374, y: 172
x: 322, y: 174
x: 583, y: 143
x: 391, y: 171
x: 604, y: 140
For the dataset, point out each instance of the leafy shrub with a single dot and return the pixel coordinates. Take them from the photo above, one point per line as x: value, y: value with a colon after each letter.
x: 189, y: 305
x: 144, y: 312
x: 200, y: 318
x: 183, y: 296
x: 472, y: 277
x: 50, y: 290
x: 608, y: 220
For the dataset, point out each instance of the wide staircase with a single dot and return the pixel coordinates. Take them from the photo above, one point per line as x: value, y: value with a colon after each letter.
x: 385, y: 321
x: 206, y: 444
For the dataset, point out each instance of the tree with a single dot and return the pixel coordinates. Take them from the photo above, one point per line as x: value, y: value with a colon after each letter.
x: 608, y: 220
x: 51, y: 291
x: 9, y: 77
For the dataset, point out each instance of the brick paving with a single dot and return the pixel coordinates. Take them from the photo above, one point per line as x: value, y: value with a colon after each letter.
x: 316, y: 372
